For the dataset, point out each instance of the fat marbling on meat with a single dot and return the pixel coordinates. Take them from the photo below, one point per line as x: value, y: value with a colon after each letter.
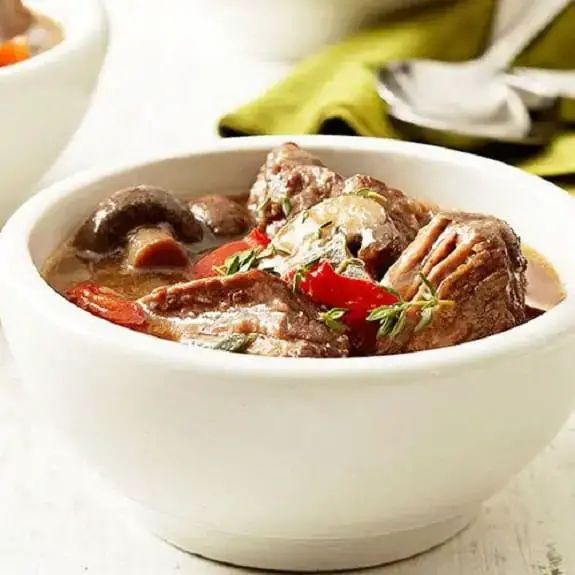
x: 290, y: 181
x: 475, y: 262
x: 252, y: 303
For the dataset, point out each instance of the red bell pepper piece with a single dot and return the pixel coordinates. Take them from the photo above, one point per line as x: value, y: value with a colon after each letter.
x: 326, y: 287
x: 108, y: 304
x: 204, y: 268
x: 257, y: 239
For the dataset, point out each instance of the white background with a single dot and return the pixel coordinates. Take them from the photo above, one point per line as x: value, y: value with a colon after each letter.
x: 158, y: 94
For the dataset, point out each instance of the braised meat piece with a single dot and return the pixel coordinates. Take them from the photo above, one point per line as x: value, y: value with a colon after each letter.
x: 404, y: 216
x: 108, y: 227
x: 337, y: 229
x: 290, y: 181
x: 377, y: 224
x: 253, y: 303
x: 475, y: 263
x: 222, y: 215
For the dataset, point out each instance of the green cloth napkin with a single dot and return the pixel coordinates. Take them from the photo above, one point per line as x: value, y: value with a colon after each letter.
x: 335, y: 92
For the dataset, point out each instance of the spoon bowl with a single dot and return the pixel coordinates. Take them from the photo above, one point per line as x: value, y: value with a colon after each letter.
x: 471, y: 98
x: 513, y: 125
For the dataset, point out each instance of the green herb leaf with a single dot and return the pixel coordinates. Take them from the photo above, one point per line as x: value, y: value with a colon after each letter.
x: 323, y: 227
x: 393, y: 317
x: 282, y: 251
x: 425, y: 319
x: 331, y: 318
x: 300, y: 273
x: 298, y: 277
x: 370, y: 194
x: 240, y: 262
x: 286, y: 206
x: 270, y: 270
x: 235, y: 342
x: 347, y: 262
x: 263, y: 206
x: 392, y: 291
x: 430, y: 287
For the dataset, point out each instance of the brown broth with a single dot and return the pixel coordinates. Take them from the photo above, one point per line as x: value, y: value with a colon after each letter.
x: 65, y: 269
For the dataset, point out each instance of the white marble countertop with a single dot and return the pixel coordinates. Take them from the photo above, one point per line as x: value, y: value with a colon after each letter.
x: 55, y: 517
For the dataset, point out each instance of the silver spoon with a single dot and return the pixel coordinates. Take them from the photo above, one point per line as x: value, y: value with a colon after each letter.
x: 544, y: 84
x: 471, y: 135
x: 470, y: 97
x: 15, y: 19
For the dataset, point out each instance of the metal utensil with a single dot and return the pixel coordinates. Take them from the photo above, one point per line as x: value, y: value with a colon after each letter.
x: 471, y: 98
x: 466, y: 89
x: 545, y: 84
x: 15, y: 19
x: 540, y: 128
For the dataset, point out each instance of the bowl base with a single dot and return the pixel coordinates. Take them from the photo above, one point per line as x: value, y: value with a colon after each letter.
x: 305, y: 554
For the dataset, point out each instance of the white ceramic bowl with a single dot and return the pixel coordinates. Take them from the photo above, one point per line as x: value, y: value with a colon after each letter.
x: 43, y: 100
x: 298, y: 464
x: 292, y: 29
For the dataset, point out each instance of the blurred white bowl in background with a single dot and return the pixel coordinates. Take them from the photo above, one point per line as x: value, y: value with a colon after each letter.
x: 291, y: 29
x: 43, y: 100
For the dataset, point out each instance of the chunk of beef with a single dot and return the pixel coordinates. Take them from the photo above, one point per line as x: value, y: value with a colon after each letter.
x: 222, y: 215
x: 253, y: 302
x: 290, y: 181
x: 108, y: 227
x: 404, y: 216
x: 338, y: 229
x: 378, y: 223
x: 155, y: 248
x: 475, y: 261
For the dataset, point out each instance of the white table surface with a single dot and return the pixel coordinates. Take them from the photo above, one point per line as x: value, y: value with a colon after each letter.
x: 55, y: 517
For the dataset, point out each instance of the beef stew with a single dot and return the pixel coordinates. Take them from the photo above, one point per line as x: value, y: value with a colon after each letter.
x: 309, y: 264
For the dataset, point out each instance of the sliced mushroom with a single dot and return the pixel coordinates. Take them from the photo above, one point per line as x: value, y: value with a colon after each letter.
x: 222, y: 215
x: 108, y: 227
x: 369, y: 233
x: 155, y: 248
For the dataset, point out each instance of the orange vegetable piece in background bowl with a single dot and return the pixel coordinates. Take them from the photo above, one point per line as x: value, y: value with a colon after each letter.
x: 14, y: 51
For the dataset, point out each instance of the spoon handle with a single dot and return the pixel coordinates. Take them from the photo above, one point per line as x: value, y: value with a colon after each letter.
x: 504, y: 50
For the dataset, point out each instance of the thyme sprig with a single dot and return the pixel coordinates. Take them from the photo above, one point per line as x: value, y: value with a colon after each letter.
x: 234, y: 342
x: 286, y: 206
x: 347, y: 262
x: 301, y: 272
x: 332, y: 318
x: 240, y: 262
x: 370, y: 194
x: 262, y: 207
x: 392, y: 318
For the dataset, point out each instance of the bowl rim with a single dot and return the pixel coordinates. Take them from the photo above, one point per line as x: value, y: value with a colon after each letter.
x: 85, y: 20
x: 543, y: 332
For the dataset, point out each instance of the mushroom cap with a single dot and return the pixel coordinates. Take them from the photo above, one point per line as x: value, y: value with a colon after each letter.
x: 107, y: 228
